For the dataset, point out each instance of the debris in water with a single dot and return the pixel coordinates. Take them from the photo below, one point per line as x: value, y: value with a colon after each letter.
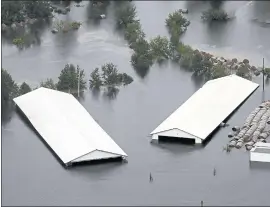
x: 151, y: 178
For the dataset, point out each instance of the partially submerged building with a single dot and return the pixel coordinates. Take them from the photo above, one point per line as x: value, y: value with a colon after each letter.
x: 206, y: 109
x: 67, y: 127
x: 260, y: 152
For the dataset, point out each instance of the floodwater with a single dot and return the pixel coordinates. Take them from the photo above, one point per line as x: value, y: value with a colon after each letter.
x: 183, y: 175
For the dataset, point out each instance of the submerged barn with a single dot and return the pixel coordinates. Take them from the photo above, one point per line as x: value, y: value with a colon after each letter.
x: 67, y: 127
x: 206, y: 109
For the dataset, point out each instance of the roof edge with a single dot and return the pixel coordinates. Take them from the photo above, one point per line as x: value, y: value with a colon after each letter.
x: 152, y: 133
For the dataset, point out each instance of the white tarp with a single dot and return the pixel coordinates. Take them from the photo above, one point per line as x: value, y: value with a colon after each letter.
x: 209, y: 106
x: 65, y: 124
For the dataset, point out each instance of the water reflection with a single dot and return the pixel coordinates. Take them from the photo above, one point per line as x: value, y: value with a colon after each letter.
x: 111, y: 93
x: 259, y: 166
x: 30, y: 34
x: 176, y: 149
x: 141, y: 72
x: 7, y: 110
x: 218, y: 32
x: 195, y: 7
x: 260, y: 10
x: 66, y: 42
x: 95, y: 93
x: 198, y: 80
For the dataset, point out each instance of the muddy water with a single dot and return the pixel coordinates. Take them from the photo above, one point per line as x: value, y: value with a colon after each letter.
x: 183, y: 175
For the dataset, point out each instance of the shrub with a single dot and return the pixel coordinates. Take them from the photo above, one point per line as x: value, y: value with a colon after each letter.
x: 75, y: 25
x: 18, y: 42
x: 215, y: 15
x: 267, y: 72
x: 141, y: 61
x: 246, y: 61
x: 160, y: 48
x: 125, y: 78
x: 177, y: 23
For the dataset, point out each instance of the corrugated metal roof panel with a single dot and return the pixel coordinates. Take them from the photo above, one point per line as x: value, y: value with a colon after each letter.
x: 209, y: 106
x: 65, y: 124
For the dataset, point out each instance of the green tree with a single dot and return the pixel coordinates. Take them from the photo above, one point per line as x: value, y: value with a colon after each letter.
x: 95, y: 81
x: 133, y: 32
x: 125, y: 14
x: 24, y: 88
x: 49, y: 83
x: 215, y: 15
x: 68, y: 79
x: 110, y: 75
x: 176, y: 23
x: 160, y: 48
x: 9, y: 89
x: 244, y: 72
x: 38, y: 9
x: 219, y: 71
x: 125, y: 78
x: 12, y: 11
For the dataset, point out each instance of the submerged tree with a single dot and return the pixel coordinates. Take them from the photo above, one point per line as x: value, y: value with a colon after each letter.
x: 215, y: 15
x: 133, y: 32
x: 125, y: 14
x: 244, y: 72
x: 110, y: 75
x: 38, y: 9
x: 160, y: 49
x: 125, y: 78
x: 49, y: 83
x: 19, y: 11
x: 24, y: 88
x: 176, y: 23
x: 9, y: 90
x: 95, y: 81
x: 12, y: 11
x: 68, y: 79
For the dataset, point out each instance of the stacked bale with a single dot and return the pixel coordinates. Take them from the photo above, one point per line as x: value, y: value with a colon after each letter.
x: 251, y: 116
x: 247, y: 136
x: 256, y: 128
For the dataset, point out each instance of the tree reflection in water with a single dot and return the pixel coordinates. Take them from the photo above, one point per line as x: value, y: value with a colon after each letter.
x: 29, y: 34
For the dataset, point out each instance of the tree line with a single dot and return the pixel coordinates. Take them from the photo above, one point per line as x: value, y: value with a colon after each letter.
x: 107, y: 78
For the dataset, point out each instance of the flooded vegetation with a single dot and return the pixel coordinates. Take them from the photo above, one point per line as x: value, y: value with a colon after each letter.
x: 133, y: 63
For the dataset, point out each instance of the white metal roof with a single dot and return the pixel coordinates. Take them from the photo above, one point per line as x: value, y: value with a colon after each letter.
x: 263, y: 145
x: 65, y: 124
x: 209, y: 106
